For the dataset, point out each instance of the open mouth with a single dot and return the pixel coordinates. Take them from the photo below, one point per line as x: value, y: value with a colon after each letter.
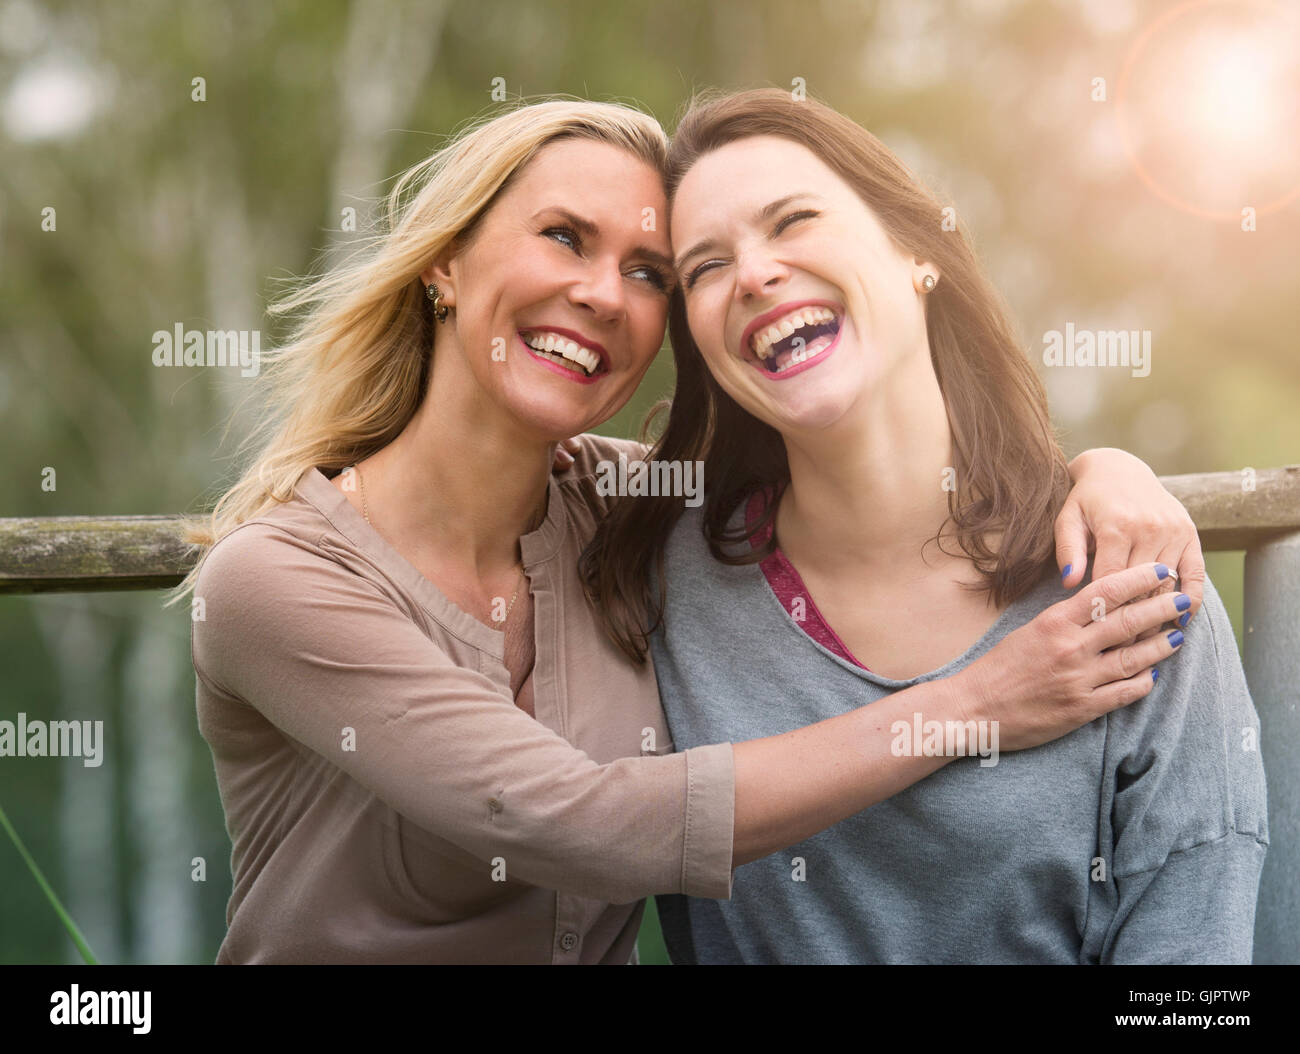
x: 795, y: 338
x: 560, y: 349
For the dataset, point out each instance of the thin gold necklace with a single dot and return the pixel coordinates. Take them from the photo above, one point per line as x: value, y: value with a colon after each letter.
x: 366, y: 513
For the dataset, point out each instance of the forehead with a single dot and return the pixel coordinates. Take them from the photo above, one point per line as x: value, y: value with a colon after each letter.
x: 584, y: 175
x: 745, y: 175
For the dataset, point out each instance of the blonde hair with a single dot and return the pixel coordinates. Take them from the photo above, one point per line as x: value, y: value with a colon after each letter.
x: 354, y: 369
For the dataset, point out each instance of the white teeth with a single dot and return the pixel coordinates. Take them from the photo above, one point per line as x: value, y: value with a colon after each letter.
x: 809, y: 316
x: 560, y: 349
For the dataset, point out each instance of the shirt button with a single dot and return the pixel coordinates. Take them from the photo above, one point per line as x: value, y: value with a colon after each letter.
x: 569, y: 941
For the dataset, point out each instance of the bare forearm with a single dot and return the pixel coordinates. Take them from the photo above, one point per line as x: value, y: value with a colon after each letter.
x: 791, y: 786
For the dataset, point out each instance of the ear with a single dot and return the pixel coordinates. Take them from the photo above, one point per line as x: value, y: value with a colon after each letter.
x: 921, y: 269
x: 439, y: 273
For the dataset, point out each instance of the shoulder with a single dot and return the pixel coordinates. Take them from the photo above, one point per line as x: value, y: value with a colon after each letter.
x: 586, y: 483
x: 1205, y: 674
x: 1202, y: 684
x: 686, y: 541
x: 595, y: 450
x: 264, y: 587
x: 1194, y: 739
x: 694, y: 578
x: 256, y: 555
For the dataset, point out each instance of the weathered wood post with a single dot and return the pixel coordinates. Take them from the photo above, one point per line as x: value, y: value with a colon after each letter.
x: 1272, y: 656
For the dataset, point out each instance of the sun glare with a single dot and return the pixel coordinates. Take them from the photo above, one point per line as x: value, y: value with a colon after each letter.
x: 1208, y: 111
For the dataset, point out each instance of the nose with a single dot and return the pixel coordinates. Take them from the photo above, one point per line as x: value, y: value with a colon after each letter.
x: 757, y: 272
x: 601, y: 289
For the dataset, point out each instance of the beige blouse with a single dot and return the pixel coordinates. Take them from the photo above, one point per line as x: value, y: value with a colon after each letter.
x: 388, y: 802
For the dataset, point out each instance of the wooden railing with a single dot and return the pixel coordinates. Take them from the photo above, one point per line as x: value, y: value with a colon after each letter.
x: 83, y: 554
x: 1255, y: 511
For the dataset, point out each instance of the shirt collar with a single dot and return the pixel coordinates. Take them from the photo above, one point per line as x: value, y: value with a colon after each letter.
x: 538, y: 546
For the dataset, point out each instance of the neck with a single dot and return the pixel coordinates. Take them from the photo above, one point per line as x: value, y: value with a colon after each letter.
x: 461, y: 479
x: 870, y: 489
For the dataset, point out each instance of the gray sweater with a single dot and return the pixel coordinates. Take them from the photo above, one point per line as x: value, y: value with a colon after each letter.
x: 1138, y: 838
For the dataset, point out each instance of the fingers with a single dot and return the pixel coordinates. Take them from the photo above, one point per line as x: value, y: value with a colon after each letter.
x: 1071, y: 544
x: 565, y: 450
x: 1125, y: 624
x: 1149, y: 551
x: 1122, y: 663
x: 1109, y: 593
x: 1121, y: 693
x: 1191, y: 572
x: 1114, y: 545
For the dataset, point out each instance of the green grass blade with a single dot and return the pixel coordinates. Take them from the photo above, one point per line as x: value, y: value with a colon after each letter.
x: 68, y: 924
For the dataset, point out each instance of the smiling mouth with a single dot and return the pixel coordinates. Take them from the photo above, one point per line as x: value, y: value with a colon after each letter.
x: 794, y: 338
x: 568, y: 354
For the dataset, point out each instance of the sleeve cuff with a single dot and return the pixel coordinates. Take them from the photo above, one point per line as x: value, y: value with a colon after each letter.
x: 710, y: 821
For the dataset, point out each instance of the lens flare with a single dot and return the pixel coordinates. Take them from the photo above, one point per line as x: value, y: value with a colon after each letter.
x: 1207, y: 105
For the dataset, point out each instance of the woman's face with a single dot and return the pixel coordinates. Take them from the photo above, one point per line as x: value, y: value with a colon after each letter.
x: 561, y: 295
x: 801, y: 304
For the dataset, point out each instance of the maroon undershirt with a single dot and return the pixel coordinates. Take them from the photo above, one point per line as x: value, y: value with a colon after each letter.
x: 785, y: 582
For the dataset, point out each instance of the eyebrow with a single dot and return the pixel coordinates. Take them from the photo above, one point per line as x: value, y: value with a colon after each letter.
x: 761, y: 216
x: 590, y: 230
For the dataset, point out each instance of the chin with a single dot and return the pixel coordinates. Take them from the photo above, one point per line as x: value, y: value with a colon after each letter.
x: 552, y: 418
x: 824, y: 401
x: 808, y: 408
x: 815, y: 416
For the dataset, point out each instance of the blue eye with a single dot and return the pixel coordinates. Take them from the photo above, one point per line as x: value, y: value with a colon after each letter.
x: 655, y: 277
x: 573, y: 241
x: 570, y: 238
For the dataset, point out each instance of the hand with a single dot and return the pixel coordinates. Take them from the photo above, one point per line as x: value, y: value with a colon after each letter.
x: 1119, y: 507
x: 1068, y: 667
x: 565, y: 451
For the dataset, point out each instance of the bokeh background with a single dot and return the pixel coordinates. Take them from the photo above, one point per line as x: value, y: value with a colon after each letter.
x: 1100, y: 152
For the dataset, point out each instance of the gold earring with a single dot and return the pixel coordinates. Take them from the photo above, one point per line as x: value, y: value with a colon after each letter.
x: 439, y: 308
x: 929, y: 282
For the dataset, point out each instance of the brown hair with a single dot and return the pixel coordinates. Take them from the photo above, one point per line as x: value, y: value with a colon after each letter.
x: 1012, y: 475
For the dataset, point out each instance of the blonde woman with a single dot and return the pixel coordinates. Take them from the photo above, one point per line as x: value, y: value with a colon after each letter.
x: 427, y: 749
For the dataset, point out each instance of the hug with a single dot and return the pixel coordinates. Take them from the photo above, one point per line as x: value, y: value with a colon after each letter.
x: 466, y: 705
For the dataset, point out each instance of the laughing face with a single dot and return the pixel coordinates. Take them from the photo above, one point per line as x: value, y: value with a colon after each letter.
x: 560, y: 297
x: 805, y: 310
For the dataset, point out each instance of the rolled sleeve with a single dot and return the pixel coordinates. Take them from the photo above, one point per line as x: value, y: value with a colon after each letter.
x: 710, y: 819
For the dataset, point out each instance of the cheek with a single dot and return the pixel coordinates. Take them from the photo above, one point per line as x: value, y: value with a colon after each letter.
x: 656, y: 325
x: 721, y: 365
x: 706, y: 323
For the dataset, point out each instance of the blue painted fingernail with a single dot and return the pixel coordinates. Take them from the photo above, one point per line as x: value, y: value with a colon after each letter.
x: 1162, y: 572
x: 1182, y: 619
x: 1066, y: 573
x: 1175, y: 638
x: 1182, y: 602
x: 1155, y: 674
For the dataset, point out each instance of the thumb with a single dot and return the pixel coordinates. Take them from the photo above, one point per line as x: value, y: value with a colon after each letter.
x: 1071, y: 545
